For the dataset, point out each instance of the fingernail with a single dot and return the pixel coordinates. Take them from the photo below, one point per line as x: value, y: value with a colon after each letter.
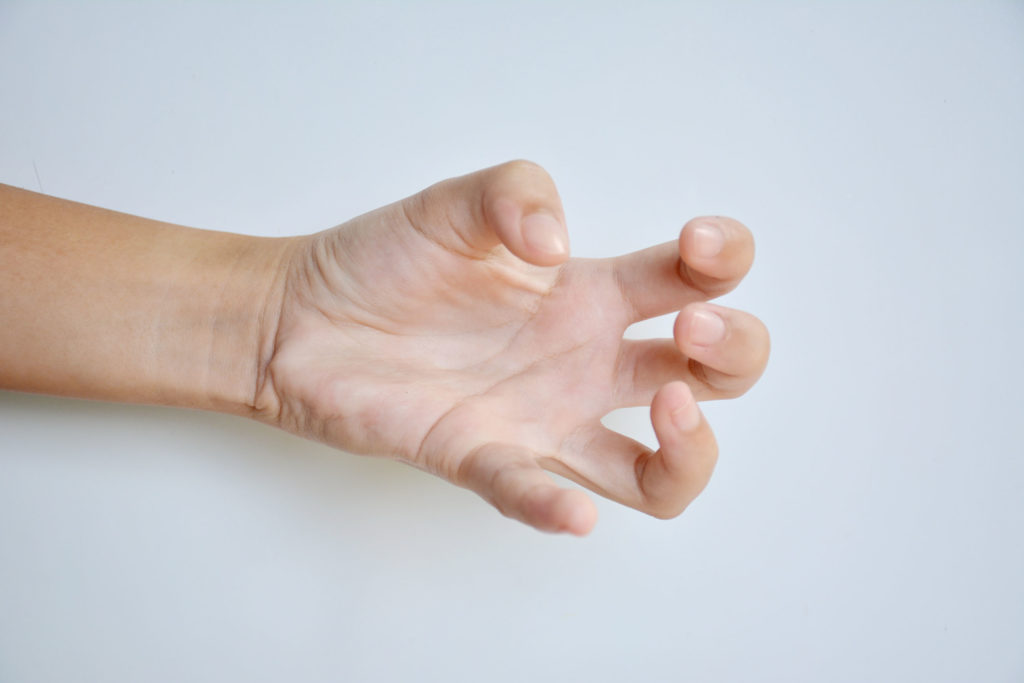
x: 542, y: 232
x: 686, y: 418
x: 708, y: 240
x: 706, y: 328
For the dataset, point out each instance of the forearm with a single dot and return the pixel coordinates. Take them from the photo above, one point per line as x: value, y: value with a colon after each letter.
x: 100, y: 304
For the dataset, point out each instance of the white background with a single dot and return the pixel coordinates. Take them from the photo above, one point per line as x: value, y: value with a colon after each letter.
x: 866, y: 521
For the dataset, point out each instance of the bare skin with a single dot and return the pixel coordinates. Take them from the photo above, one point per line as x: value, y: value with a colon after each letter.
x: 449, y: 330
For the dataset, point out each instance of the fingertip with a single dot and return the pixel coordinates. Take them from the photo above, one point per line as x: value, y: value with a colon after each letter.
x: 578, y: 513
x: 676, y: 402
x: 533, y: 234
x: 515, y: 204
x: 523, y: 207
x: 556, y: 510
x: 699, y: 327
x: 715, y: 252
x: 682, y: 467
x: 703, y: 239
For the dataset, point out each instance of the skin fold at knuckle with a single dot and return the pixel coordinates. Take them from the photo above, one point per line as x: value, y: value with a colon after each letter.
x: 710, y: 286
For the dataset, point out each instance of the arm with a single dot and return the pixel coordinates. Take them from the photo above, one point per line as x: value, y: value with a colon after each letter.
x: 100, y: 304
x: 449, y: 330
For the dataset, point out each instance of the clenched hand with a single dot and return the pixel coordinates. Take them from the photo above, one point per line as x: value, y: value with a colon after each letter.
x: 452, y: 331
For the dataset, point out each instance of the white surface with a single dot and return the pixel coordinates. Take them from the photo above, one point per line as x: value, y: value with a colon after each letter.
x: 867, y: 516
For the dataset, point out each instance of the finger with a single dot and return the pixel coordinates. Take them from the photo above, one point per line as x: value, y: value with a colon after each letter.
x: 719, y: 352
x: 663, y: 482
x: 728, y: 349
x: 515, y: 204
x: 710, y: 258
x: 510, y: 479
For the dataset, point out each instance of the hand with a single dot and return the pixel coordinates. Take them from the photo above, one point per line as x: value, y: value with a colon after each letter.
x: 451, y: 331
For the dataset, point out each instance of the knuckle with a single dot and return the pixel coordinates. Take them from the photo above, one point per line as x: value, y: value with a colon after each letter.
x: 521, y: 182
x: 527, y: 172
x: 523, y: 167
x: 741, y: 230
x: 735, y: 232
x: 417, y: 207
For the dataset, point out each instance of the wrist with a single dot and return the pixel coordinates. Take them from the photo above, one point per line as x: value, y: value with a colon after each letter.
x: 242, y: 324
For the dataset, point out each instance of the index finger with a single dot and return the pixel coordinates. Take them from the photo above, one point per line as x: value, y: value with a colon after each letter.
x: 710, y: 258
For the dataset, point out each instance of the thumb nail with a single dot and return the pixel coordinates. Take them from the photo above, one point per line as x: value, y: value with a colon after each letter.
x: 543, y: 233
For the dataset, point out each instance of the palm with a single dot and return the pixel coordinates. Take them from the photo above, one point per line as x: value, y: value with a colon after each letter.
x: 462, y: 359
x: 473, y: 340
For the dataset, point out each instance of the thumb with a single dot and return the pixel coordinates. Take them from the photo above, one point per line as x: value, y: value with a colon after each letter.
x: 514, y: 204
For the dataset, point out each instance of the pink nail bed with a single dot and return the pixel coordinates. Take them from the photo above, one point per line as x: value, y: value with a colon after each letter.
x: 706, y: 328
